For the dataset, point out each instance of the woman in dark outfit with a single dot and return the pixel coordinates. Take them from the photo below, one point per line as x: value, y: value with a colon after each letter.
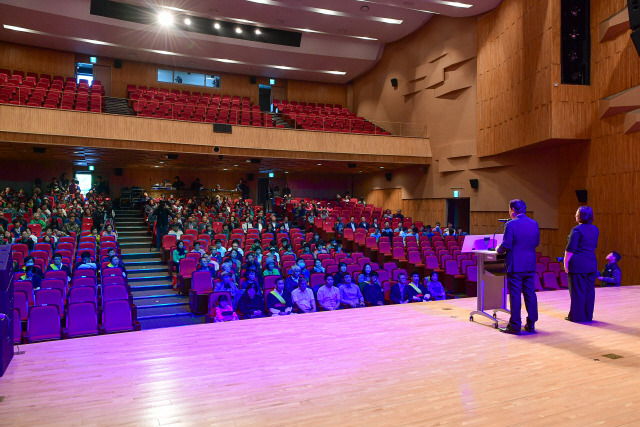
x: 581, y: 265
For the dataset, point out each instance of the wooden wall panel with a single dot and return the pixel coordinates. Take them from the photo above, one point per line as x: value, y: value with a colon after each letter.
x: 390, y: 198
x: 28, y: 58
x: 428, y: 211
x: 317, y: 92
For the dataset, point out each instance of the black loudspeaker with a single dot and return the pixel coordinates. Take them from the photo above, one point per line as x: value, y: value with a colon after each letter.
x: 6, y: 308
x: 221, y: 128
x: 117, y: 63
x: 575, y: 42
x: 635, y: 37
x: 474, y: 183
x: 394, y: 83
x: 250, y: 177
x: 118, y: 171
x: 388, y: 176
x: 253, y: 80
x: 634, y: 14
x: 582, y: 196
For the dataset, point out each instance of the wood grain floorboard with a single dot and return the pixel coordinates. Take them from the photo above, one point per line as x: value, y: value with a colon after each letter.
x: 410, y: 365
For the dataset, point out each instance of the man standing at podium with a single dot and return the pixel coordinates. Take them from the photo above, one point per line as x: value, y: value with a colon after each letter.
x: 521, y: 237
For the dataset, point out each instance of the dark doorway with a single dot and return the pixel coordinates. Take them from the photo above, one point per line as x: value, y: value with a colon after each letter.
x: 265, y: 98
x: 458, y: 213
x: 263, y: 190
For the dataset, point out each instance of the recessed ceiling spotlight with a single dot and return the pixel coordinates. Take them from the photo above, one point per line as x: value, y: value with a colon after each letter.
x: 216, y: 26
x: 161, y: 162
x: 258, y: 32
x: 364, y: 8
x: 286, y: 172
x: 319, y: 164
x: 360, y: 171
x: 235, y: 166
x: 187, y: 21
x: 156, y: 166
x: 165, y: 18
x: 238, y: 30
x: 224, y: 169
x: 381, y: 167
x: 248, y: 161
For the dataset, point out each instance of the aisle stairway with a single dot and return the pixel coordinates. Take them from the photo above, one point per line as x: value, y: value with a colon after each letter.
x: 159, y: 306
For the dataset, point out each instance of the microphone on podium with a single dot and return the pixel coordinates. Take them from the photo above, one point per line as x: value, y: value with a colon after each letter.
x: 503, y: 222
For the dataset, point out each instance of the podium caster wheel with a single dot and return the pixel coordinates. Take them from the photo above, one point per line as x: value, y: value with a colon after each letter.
x: 471, y: 319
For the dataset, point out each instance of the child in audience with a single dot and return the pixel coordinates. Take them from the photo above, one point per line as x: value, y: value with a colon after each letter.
x: 223, y: 312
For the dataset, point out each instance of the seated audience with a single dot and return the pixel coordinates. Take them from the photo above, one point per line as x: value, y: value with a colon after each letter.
x: 350, y: 294
x: 31, y: 272
x: 223, y: 311
x: 227, y: 284
x: 116, y: 263
x: 86, y: 263
x: 435, y: 288
x: 329, y: 295
x: 278, y: 302
x: 422, y: 292
x: 373, y: 293
x: 205, y: 264
x: 303, y: 298
x: 251, y: 304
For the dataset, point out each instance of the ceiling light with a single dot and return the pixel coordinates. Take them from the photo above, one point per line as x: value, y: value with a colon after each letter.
x: 360, y: 171
x: 453, y: 3
x: 381, y: 167
x: 286, y: 172
x: 248, y: 161
x: 235, y: 165
x: 160, y: 162
x: 319, y: 164
x: 224, y: 169
x: 238, y: 30
x: 364, y: 8
x: 165, y: 18
x: 216, y: 26
x: 156, y: 166
x: 187, y: 21
x: 258, y: 32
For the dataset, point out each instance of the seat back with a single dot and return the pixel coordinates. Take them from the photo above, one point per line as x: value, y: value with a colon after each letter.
x: 50, y: 297
x: 270, y: 283
x: 55, y: 284
x: 414, y: 257
x: 168, y: 240
x: 201, y: 281
x: 353, y: 270
x: 82, y: 319
x: 56, y: 274
x: 21, y: 303
x: 17, y: 326
x: 472, y: 273
x: 84, y: 281
x: 24, y: 286
x: 187, y: 266
x: 398, y: 252
x: 82, y: 294
x: 397, y: 272
x: 451, y: 267
x: 114, y: 292
x: 555, y: 268
x: 43, y: 324
x: 116, y: 316
x: 549, y: 280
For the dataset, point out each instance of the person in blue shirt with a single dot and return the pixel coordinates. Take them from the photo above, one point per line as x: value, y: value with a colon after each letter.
x: 435, y: 288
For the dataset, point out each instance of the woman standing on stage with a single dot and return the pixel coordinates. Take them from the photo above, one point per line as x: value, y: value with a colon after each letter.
x: 581, y: 265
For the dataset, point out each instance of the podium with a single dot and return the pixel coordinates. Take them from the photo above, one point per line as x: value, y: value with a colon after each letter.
x: 492, y: 289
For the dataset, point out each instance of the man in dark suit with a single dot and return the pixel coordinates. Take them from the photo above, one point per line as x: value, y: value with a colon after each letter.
x: 352, y: 224
x: 521, y: 237
x: 363, y: 224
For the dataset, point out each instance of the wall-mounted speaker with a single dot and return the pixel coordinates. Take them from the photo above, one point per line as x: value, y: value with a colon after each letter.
x: 117, y: 63
x: 635, y: 38
x: 633, y: 6
x: 388, y: 176
x: 575, y: 42
x: 253, y: 80
x: 394, y: 83
x: 474, y: 183
x: 250, y: 177
x: 118, y: 171
x: 222, y: 128
x: 582, y: 196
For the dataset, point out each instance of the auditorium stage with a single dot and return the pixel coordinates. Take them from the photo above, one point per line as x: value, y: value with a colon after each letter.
x: 418, y: 364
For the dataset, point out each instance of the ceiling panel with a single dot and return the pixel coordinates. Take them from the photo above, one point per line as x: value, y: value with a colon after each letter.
x: 332, y: 32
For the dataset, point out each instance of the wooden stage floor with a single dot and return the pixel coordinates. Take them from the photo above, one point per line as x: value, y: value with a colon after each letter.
x: 419, y: 364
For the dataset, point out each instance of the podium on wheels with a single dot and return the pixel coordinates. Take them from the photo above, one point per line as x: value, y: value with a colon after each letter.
x: 492, y: 289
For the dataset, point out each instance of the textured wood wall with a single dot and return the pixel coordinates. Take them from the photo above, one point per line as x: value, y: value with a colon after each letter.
x: 28, y: 58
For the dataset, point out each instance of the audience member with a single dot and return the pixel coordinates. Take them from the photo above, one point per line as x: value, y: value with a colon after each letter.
x: 435, y: 288
x: 373, y: 293
x: 223, y: 311
x: 350, y: 294
x: 251, y: 304
x: 329, y: 295
x: 303, y: 298
x: 611, y: 275
x: 278, y: 301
